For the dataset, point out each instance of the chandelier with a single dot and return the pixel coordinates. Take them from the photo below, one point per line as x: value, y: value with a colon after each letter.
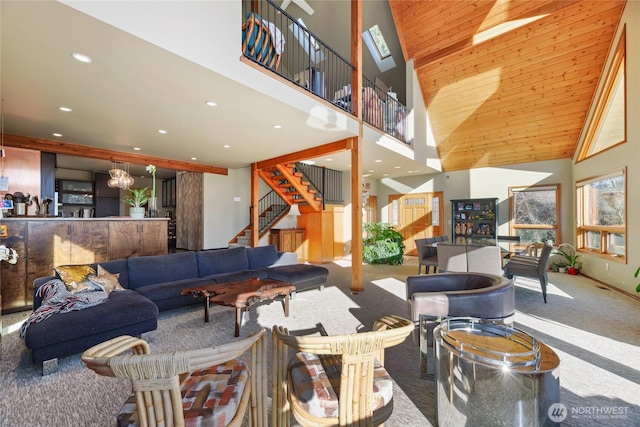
x: 120, y: 177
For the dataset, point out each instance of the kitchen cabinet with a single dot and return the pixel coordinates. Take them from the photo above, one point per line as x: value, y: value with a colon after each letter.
x: 137, y: 238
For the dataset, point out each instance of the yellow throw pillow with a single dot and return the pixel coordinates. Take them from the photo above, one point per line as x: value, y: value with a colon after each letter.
x: 76, y: 277
x: 106, y: 281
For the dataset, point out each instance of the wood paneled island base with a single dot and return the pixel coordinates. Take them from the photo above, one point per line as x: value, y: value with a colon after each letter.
x: 242, y: 295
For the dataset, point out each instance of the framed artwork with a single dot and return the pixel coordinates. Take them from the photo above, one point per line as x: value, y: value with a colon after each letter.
x: 3, y: 231
x: 468, y: 207
x: 476, y: 206
x: 460, y: 206
x: 7, y: 204
x: 463, y: 216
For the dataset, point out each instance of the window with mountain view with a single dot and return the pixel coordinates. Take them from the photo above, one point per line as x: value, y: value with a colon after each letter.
x: 601, y: 214
x: 535, y: 213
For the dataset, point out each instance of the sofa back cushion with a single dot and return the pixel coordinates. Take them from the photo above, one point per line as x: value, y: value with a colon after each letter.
x: 147, y: 270
x: 262, y: 256
x: 222, y: 261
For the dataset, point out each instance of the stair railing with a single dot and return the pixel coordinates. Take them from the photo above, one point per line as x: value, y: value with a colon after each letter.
x: 271, y: 207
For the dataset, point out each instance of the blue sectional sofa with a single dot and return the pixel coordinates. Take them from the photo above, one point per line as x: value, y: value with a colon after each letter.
x: 153, y: 284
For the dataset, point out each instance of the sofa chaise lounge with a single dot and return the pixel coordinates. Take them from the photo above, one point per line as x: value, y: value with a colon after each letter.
x: 153, y: 284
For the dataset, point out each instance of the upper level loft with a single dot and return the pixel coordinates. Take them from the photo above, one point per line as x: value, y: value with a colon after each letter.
x: 282, y: 44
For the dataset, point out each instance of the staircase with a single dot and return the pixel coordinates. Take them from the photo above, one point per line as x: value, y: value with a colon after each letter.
x: 288, y: 188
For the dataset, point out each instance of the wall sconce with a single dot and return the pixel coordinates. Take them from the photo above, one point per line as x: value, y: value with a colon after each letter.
x: 294, y: 211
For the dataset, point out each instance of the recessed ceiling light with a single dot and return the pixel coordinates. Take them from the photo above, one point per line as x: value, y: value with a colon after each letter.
x: 370, y: 170
x: 82, y: 57
x: 277, y: 126
x: 226, y: 146
x: 308, y: 162
x: 194, y: 158
x: 329, y: 160
x: 65, y: 109
x: 58, y: 135
x: 378, y: 161
x: 385, y: 174
x: 137, y: 148
x: 397, y: 167
x: 162, y: 131
x: 211, y: 104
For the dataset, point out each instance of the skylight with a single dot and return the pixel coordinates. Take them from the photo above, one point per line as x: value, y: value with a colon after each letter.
x: 379, y: 41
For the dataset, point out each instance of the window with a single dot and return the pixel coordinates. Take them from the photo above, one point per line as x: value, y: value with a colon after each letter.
x: 601, y: 211
x: 535, y: 213
x: 379, y: 41
x: 608, y: 123
x: 377, y: 46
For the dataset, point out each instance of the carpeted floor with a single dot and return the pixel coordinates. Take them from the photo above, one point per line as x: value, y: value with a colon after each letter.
x: 594, y: 331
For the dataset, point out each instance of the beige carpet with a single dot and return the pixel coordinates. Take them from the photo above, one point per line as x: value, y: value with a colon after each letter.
x: 594, y: 330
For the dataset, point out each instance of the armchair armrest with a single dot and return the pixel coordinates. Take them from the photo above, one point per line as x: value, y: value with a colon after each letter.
x: 96, y: 357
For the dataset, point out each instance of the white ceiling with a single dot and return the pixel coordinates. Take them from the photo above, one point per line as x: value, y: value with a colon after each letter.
x: 134, y: 88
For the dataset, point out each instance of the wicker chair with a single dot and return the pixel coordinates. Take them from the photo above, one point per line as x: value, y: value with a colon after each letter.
x: 330, y: 380
x: 165, y: 383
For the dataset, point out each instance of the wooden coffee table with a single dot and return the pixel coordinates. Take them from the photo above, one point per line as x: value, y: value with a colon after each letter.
x: 242, y: 295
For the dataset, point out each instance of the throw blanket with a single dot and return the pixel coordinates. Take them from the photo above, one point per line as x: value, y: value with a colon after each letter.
x: 57, y: 299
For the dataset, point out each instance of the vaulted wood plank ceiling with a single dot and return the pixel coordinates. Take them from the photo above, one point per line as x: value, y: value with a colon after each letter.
x: 506, y: 81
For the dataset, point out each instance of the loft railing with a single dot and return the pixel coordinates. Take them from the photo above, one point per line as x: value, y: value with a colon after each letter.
x: 275, y: 40
x: 293, y: 51
x: 383, y: 110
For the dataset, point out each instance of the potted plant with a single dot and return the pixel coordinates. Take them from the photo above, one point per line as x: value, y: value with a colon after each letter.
x: 383, y: 244
x: 570, y: 255
x: 136, y: 198
x: 559, y: 267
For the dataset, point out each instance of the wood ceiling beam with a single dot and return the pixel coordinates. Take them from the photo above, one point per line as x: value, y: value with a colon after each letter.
x: 322, y: 150
x: 56, y: 147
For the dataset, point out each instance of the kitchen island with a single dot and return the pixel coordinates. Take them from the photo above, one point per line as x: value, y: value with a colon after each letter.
x: 43, y: 243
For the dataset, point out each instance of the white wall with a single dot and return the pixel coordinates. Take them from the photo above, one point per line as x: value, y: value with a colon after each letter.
x: 626, y: 155
x: 224, y: 217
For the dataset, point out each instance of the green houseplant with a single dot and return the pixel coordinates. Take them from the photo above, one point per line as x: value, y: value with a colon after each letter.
x: 136, y: 198
x: 382, y: 245
x: 571, y: 257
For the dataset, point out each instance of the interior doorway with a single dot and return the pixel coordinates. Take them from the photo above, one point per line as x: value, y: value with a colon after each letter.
x: 417, y: 216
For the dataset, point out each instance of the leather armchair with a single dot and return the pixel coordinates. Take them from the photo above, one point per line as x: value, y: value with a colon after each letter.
x: 433, y: 297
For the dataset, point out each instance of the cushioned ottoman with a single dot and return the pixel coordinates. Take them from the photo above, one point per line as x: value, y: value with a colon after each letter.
x: 63, y: 334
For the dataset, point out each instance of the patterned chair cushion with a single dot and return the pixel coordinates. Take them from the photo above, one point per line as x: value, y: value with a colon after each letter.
x: 210, y: 397
x: 316, y: 382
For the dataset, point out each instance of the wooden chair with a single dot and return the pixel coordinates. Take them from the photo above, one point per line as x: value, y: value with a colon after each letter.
x: 256, y: 41
x: 330, y: 380
x: 186, y: 384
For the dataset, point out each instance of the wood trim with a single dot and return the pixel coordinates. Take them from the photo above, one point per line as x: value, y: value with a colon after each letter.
x: 255, y: 200
x: 56, y: 147
x: 356, y: 149
x: 332, y: 147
